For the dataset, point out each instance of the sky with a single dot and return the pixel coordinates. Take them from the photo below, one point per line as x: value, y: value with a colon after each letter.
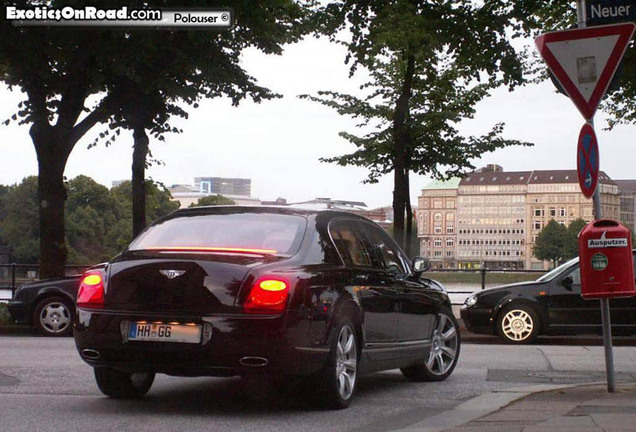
x: 277, y: 144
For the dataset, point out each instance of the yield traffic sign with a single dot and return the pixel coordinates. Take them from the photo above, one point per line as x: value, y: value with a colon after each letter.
x: 585, y: 60
x: 587, y: 161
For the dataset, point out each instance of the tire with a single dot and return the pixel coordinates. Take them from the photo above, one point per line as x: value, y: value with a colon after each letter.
x: 53, y: 316
x: 444, y: 353
x: 337, y: 382
x: 123, y: 385
x: 518, y: 324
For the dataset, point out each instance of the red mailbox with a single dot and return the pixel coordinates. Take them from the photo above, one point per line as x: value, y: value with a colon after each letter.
x: 607, y: 265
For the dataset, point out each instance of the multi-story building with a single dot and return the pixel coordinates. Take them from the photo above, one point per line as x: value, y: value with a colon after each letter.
x: 437, y: 222
x: 492, y: 218
x: 224, y: 186
x: 627, y: 190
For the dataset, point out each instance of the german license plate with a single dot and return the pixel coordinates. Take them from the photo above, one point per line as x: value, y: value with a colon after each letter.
x: 164, y: 332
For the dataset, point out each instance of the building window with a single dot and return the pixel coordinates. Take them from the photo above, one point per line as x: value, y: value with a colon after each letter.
x: 437, y: 253
x: 449, y: 254
x: 537, y: 225
x: 552, y: 211
x: 438, y: 242
x: 562, y: 212
x: 450, y: 242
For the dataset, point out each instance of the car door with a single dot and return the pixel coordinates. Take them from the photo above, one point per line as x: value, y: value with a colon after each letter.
x: 377, y: 296
x: 416, y: 310
x: 566, y: 307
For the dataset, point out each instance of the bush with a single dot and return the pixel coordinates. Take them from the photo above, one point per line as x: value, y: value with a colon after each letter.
x: 5, y: 317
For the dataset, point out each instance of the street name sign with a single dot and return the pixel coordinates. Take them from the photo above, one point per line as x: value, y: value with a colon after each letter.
x: 587, y: 160
x: 599, y: 12
x: 585, y: 60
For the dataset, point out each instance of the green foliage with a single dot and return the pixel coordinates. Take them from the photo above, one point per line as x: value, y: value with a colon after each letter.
x: 429, y: 63
x: 550, y: 243
x: 212, y: 200
x: 572, y: 238
x: 73, y: 80
x: 98, y: 220
x: 19, y: 224
x: 5, y: 316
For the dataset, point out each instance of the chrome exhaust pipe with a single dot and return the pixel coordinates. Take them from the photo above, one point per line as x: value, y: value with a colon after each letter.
x: 91, y: 354
x: 254, y: 361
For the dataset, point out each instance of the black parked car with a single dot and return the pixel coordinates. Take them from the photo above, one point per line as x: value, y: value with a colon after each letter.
x: 49, y: 305
x: 552, y: 304
x: 221, y: 291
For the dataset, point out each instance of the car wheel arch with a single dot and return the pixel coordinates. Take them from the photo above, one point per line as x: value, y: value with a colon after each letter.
x: 522, y: 301
x: 44, y: 294
x: 347, y: 307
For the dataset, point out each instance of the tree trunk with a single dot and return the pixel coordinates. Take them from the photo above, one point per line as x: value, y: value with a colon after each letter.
x: 409, y: 217
x: 52, y: 153
x: 140, y: 152
x: 400, y: 138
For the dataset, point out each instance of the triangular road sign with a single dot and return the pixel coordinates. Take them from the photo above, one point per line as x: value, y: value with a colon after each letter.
x: 584, y: 60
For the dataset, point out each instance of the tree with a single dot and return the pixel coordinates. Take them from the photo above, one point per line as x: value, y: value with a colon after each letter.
x: 19, y: 221
x: 212, y: 200
x: 156, y: 86
x: 89, y: 215
x: 550, y: 243
x: 158, y: 203
x: 58, y: 70
x: 427, y: 73
x: 98, y: 220
x: 572, y: 238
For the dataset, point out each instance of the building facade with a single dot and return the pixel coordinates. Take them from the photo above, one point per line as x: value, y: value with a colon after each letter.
x: 224, y: 186
x: 627, y: 190
x: 492, y: 218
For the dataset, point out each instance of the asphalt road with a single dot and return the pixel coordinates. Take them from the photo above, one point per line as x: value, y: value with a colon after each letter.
x: 45, y: 386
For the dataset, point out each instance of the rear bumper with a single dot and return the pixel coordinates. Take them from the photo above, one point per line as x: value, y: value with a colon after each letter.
x: 237, y: 345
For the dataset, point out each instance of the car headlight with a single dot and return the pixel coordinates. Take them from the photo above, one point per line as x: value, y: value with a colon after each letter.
x: 470, y: 301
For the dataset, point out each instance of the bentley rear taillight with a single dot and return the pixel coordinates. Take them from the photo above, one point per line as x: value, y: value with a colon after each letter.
x: 91, y: 290
x: 267, y: 296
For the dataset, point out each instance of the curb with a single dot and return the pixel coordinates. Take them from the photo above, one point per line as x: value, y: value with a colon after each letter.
x: 481, y: 406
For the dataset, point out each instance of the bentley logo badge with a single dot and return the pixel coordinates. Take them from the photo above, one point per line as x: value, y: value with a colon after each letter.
x: 171, y: 274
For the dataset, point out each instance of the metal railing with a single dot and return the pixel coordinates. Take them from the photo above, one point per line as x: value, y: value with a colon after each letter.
x: 14, y: 275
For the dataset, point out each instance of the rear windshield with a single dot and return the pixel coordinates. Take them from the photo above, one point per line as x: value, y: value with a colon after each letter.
x: 276, y: 234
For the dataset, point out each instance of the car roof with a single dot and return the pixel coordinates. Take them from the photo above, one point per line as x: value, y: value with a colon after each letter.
x: 295, y: 210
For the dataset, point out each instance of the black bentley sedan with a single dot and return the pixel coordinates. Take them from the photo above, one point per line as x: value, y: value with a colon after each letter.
x: 552, y: 304
x: 48, y: 305
x: 281, y: 292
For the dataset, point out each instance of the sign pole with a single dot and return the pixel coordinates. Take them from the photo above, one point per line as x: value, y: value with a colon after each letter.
x: 598, y: 213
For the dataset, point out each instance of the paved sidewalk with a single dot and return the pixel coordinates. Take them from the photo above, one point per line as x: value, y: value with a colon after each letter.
x: 575, y: 409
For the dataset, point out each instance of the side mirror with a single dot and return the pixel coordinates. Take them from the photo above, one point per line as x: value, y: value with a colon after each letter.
x: 567, y: 282
x: 420, y: 265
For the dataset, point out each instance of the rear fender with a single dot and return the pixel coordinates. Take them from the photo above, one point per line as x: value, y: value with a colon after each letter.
x: 346, y: 306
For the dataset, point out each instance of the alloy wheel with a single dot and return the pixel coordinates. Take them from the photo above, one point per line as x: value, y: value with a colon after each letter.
x: 517, y: 325
x: 444, y: 346
x: 346, y: 362
x: 55, y: 317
